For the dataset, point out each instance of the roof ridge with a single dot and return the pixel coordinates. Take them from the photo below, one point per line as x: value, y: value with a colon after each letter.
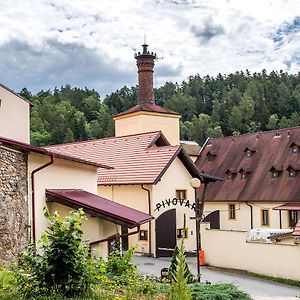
x: 102, y: 139
x: 255, y: 133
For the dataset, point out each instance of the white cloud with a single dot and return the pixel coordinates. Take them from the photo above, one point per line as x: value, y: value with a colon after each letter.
x: 45, y: 39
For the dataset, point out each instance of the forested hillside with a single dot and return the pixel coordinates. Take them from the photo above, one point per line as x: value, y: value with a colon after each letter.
x: 210, y: 106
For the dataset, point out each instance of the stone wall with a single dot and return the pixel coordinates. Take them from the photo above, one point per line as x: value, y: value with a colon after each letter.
x: 13, y: 203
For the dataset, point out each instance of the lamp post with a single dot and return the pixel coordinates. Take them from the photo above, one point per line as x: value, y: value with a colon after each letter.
x: 195, y: 183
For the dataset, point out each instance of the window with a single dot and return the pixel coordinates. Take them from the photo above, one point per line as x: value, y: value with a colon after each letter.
x: 295, y: 149
x: 265, y: 217
x: 243, y: 175
x: 274, y: 174
x: 292, y: 173
x: 293, y: 218
x: 248, y: 153
x: 182, y: 233
x: 181, y: 194
x: 231, y: 210
x: 143, y: 235
x: 229, y: 175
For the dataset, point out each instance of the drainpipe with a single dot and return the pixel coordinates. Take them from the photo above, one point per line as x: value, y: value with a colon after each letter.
x: 251, y: 214
x: 280, y: 219
x: 149, y: 212
x: 112, y: 238
x: 33, y: 193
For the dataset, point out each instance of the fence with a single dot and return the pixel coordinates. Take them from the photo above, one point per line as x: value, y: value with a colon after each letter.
x: 229, y: 249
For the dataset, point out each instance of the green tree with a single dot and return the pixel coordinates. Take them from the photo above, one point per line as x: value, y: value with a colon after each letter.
x: 241, y: 116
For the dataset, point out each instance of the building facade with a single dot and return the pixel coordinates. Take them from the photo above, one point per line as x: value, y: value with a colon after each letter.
x: 261, y: 177
x: 151, y: 170
x: 32, y: 178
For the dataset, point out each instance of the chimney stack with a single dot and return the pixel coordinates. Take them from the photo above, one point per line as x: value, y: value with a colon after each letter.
x: 145, y: 64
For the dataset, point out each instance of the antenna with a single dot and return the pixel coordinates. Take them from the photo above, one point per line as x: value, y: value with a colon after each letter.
x: 144, y: 38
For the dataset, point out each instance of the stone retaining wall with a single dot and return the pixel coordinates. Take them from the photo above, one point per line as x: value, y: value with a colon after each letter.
x: 13, y: 203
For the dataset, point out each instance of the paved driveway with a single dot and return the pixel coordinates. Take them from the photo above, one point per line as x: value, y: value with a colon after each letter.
x: 259, y: 289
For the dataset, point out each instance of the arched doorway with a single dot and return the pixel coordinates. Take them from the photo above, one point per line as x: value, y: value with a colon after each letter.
x: 165, y: 227
x: 214, y: 219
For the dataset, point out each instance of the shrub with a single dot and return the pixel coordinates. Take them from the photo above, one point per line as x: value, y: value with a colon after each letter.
x: 8, y: 285
x: 217, y: 292
x: 174, y: 265
x: 179, y: 287
x: 61, y: 264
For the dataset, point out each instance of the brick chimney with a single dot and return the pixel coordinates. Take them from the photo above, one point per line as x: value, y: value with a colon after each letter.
x: 145, y: 64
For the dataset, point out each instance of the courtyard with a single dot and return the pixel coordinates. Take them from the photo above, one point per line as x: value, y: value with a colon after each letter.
x: 259, y: 289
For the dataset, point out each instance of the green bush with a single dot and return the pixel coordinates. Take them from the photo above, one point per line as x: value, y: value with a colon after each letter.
x: 61, y: 264
x: 217, y: 292
x: 8, y: 285
x: 179, y: 278
x: 119, y: 263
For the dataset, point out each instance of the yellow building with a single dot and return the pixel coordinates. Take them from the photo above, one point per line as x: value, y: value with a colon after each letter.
x: 151, y: 170
x: 32, y: 178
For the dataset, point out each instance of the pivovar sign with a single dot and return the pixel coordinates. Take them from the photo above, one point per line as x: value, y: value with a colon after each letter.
x: 173, y: 202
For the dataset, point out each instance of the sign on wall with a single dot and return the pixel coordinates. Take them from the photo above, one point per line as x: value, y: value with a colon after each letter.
x: 174, y: 202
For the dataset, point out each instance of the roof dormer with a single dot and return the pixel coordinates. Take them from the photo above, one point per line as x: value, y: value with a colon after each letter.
x: 211, y: 155
x: 295, y: 147
x: 276, y: 170
x: 293, y: 169
x: 249, y: 151
x: 230, y: 173
x: 244, y: 172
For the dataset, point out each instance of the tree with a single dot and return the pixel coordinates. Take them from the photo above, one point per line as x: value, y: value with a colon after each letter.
x: 273, y: 122
x: 241, y: 116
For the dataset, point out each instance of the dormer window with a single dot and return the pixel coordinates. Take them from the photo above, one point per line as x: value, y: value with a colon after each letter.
x: 244, y: 173
x: 292, y: 173
x: 249, y: 151
x: 275, y: 171
x: 211, y: 155
x: 295, y: 147
x: 230, y: 174
x: 292, y: 170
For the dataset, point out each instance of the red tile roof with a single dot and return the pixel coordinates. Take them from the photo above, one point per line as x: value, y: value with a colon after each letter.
x: 99, y: 206
x: 136, y: 159
x: 147, y: 107
x: 272, y: 148
x: 27, y: 147
x: 288, y: 206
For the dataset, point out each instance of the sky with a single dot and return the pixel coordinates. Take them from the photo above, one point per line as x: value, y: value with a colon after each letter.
x: 91, y: 43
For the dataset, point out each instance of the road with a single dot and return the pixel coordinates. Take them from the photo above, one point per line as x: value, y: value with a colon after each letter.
x: 259, y: 289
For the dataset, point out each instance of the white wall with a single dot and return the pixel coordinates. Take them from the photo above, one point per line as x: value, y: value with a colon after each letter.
x: 177, y: 178
x: 61, y: 175
x: 243, y: 216
x: 14, y: 116
x: 228, y: 249
x: 132, y: 196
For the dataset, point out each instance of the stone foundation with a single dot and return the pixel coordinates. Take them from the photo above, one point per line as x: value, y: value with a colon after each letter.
x: 13, y: 203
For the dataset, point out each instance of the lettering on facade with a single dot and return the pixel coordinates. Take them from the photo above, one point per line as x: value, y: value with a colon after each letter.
x: 168, y: 202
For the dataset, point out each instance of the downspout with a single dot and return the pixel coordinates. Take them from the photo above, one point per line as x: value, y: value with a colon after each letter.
x: 112, y: 238
x: 280, y: 219
x: 33, y: 194
x: 251, y: 214
x: 150, y: 224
